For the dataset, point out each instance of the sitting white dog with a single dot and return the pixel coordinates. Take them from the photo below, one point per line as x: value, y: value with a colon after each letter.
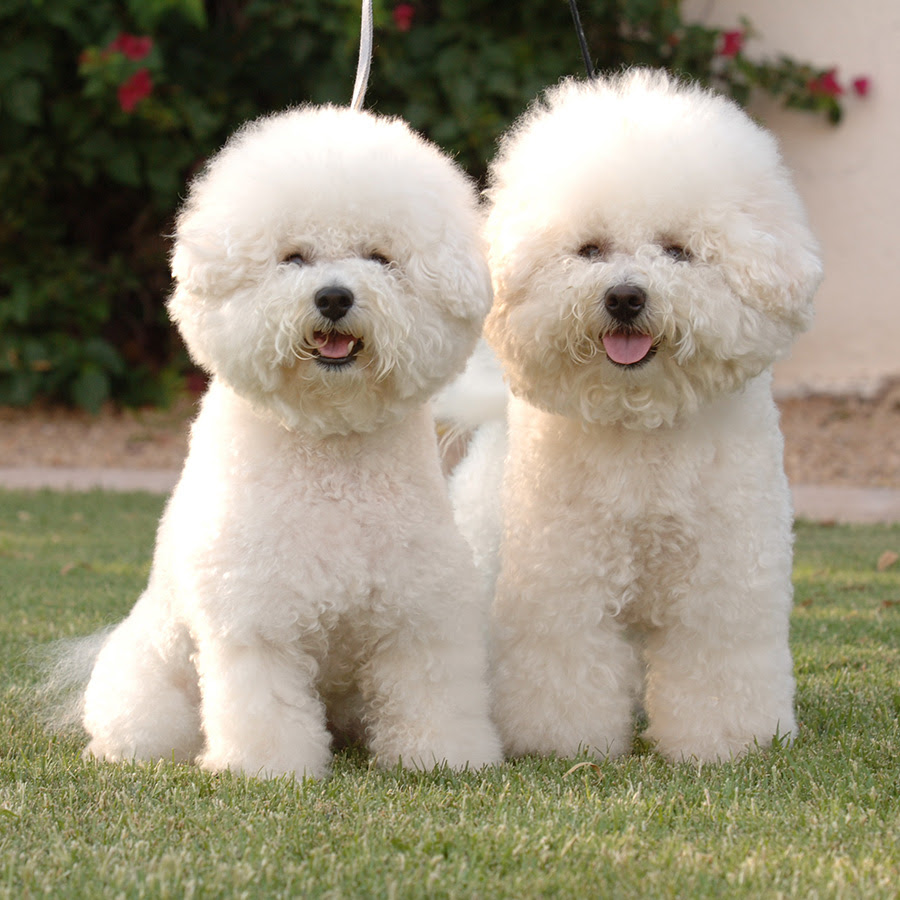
x: 330, y: 275
x: 651, y: 260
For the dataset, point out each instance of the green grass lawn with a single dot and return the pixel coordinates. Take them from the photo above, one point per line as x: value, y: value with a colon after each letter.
x: 818, y: 819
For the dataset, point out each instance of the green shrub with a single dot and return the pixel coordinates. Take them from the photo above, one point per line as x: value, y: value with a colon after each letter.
x: 108, y: 106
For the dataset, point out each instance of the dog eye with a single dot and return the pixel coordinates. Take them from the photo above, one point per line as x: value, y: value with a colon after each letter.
x: 297, y: 259
x: 592, y: 251
x: 380, y: 258
x: 677, y: 252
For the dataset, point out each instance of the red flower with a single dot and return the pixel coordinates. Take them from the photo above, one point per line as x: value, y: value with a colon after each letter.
x: 732, y: 43
x: 861, y: 86
x: 134, y: 90
x: 132, y: 46
x: 826, y: 84
x: 403, y: 16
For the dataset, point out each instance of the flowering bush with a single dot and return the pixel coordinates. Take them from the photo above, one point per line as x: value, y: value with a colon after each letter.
x: 797, y: 85
x: 403, y: 15
x: 108, y: 106
x: 115, y: 67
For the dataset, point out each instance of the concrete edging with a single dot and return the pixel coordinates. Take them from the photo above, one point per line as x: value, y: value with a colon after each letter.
x: 154, y: 481
x: 846, y: 505
x: 819, y: 503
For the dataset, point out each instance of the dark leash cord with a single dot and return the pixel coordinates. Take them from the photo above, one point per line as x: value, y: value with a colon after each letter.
x: 582, y: 40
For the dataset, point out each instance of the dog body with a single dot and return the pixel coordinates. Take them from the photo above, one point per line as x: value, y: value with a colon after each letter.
x: 651, y: 260
x: 664, y: 549
x: 307, y: 570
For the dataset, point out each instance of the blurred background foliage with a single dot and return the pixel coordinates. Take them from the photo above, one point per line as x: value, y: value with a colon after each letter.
x: 107, y: 107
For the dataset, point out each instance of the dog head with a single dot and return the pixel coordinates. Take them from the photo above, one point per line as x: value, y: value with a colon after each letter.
x: 328, y: 268
x: 648, y: 251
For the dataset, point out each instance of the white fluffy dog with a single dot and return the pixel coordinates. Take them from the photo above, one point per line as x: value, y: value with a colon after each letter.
x: 330, y: 275
x: 651, y: 260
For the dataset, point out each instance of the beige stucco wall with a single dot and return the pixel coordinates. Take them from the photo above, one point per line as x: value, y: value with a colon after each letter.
x: 849, y: 176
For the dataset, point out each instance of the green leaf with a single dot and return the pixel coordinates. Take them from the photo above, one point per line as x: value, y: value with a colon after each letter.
x: 149, y: 13
x: 125, y: 166
x: 22, y: 100
x: 91, y: 388
x: 104, y: 355
x: 18, y: 388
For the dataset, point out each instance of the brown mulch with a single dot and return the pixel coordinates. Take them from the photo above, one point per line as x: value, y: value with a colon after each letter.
x: 850, y: 441
x: 54, y: 436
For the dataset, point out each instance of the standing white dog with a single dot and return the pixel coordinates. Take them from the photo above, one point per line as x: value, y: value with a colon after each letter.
x: 329, y: 274
x: 651, y: 260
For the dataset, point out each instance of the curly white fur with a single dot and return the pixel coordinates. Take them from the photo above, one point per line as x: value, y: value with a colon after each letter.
x: 307, y: 571
x: 645, y: 516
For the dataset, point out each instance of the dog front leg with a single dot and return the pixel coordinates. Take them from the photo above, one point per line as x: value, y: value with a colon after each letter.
x: 427, y: 700
x: 561, y: 684
x: 718, y: 690
x: 261, y: 713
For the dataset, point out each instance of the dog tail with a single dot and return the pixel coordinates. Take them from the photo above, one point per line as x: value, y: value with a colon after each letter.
x: 471, y: 412
x: 478, y: 397
x: 64, y: 669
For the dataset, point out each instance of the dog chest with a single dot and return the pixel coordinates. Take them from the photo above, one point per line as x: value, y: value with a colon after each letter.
x: 294, y: 546
x: 618, y: 515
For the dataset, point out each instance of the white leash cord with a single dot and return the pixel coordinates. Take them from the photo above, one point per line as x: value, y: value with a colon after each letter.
x: 364, y: 64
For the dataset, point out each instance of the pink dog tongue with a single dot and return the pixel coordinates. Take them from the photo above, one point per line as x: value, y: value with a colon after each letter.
x: 334, y: 345
x: 627, y: 349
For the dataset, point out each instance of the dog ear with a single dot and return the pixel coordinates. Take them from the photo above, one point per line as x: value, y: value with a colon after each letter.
x: 774, y: 261
x: 203, y: 279
x: 193, y: 266
x: 189, y: 315
x: 457, y: 276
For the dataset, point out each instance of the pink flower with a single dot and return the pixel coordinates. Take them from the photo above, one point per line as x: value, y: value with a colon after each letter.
x: 196, y: 382
x: 732, y: 43
x: 403, y: 16
x: 131, y: 92
x: 827, y: 84
x: 132, y: 46
x: 861, y: 86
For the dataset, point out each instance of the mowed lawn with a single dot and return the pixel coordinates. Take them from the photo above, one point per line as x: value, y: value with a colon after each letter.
x: 818, y: 819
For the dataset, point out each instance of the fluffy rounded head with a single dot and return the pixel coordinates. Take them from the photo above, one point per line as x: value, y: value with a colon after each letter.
x: 328, y: 267
x: 648, y: 251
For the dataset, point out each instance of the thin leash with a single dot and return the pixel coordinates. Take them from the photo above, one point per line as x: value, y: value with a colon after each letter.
x: 364, y: 64
x: 366, y: 42
x: 582, y: 40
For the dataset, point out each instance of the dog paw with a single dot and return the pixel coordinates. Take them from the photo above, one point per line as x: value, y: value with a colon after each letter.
x: 97, y: 749
x: 464, y: 750
x: 714, y: 748
x: 264, y: 769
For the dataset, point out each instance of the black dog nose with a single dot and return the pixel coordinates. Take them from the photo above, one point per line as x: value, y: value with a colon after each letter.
x: 334, y: 301
x: 624, y: 302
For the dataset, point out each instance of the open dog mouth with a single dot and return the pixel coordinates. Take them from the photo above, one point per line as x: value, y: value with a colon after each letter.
x: 628, y: 348
x: 335, y: 349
